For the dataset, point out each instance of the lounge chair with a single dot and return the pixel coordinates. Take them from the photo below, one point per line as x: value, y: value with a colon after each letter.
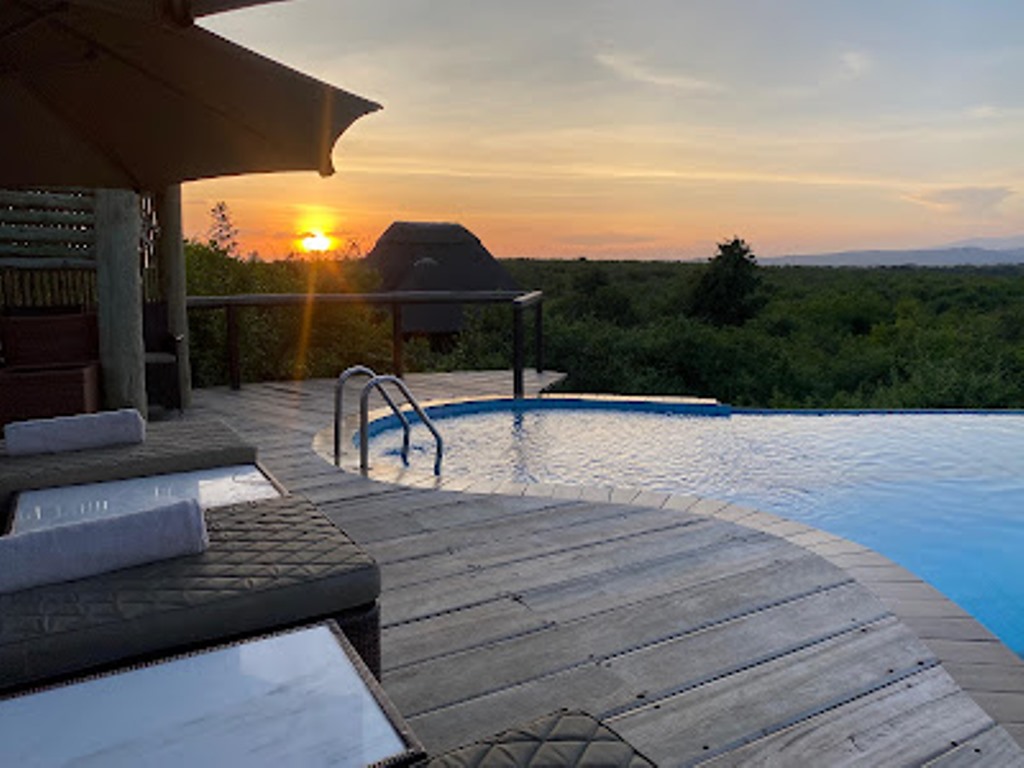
x: 271, y: 564
x: 171, y: 446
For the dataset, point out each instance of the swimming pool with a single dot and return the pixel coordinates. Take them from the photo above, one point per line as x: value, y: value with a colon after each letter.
x: 940, y: 493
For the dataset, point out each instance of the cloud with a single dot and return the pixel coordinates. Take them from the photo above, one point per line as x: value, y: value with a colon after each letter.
x: 632, y: 68
x: 606, y: 239
x: 984, y: 112
x: 969, y: 201
x: 855, y: 64
x: 399, y: 165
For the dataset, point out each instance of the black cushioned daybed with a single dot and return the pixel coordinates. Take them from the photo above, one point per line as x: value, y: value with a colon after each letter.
x: 270, y: 565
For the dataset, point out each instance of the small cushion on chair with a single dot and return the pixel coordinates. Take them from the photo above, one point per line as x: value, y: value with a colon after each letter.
x: 78, y: 550
x: 75, y: 433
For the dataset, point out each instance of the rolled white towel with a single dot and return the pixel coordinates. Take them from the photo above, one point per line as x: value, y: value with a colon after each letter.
x: 77, y: 550
x: 74, y: 433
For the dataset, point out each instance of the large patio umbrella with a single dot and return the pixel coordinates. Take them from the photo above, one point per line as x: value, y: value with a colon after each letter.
x: 129, y: 94
x: 181, y: 11
x: 95, y: 96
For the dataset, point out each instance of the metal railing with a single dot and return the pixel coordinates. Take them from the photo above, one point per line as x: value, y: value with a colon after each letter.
x: 395, y: 300
x: 339, y: 414
x: 377, y: 382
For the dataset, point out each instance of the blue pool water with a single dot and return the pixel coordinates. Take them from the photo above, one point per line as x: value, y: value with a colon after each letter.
x: 941, y: 494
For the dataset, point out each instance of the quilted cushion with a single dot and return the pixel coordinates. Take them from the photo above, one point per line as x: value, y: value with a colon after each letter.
x: 572, y: 739
x: 269, y: 564
x: 172, y: 446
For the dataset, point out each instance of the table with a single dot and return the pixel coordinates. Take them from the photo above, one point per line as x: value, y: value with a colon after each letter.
x: 295, y: 698
x: 214, y: 487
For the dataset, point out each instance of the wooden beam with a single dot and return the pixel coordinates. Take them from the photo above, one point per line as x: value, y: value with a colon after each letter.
x: 538, y: 330
x: 53, y: 250
x: 518, y: 355
x: 171, y: 257
x: 379, y: 299
x: 397, y: 342
x: 48, y: 216
x: 70, y: 201
x: 119, y: 288
x: 21, y: 262
x: 21, y: 233
x: 234, y: 351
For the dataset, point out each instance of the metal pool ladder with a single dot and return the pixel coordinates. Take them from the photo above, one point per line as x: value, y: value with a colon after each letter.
x: 377, y: 382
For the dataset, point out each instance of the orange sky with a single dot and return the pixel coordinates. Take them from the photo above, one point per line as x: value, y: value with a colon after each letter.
x: 630, y: 131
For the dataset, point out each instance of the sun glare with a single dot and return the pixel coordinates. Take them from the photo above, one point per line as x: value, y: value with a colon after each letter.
x: 316, y: 242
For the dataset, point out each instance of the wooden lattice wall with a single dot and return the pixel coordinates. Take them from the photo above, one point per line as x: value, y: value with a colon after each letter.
x: 48, y: 249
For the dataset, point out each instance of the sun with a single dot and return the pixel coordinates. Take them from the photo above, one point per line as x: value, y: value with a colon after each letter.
x: 316, y: 242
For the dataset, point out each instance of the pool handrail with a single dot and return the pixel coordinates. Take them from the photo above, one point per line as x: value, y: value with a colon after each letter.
x: 364, y: 419
x: 339, y: 388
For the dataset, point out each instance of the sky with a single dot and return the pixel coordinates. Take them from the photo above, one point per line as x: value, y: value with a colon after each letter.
x: 648, y: 129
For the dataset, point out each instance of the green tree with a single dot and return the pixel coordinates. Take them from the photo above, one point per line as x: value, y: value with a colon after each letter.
x: 729, y: 292
x: 223, y: 233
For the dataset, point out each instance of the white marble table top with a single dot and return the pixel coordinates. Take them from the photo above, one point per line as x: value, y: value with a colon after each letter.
x: 75, y: 503
x: 287, y: 700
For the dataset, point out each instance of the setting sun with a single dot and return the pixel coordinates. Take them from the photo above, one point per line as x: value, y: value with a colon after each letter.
x: 316, y: 242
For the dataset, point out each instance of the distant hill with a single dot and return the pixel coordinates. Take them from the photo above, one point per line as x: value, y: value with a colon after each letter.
x: 972, y: 256
x: 992, y: 243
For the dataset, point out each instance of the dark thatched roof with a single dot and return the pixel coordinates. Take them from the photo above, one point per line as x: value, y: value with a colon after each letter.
x: 421, y: 256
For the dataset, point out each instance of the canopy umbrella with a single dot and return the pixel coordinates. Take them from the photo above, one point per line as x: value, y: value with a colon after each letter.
x: 130, y: 95
x: 96, y: 97
x: 181, y: 11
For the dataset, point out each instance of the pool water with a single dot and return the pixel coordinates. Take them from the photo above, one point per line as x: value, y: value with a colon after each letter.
x: 941, y: 494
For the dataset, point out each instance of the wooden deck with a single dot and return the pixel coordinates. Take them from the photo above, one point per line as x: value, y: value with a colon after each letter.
x: 699, y: 639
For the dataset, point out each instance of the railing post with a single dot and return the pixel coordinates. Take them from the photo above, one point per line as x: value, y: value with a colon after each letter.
x: 396, y: 339
x: 234, y: 355
x: 517, y: 349
x: 538, y: 328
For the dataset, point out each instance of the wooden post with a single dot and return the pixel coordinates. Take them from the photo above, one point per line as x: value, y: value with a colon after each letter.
x: 119, y: 289
x: 538, y: 329
x: 234, y: 353
x: 518, y: 356
x: 171, y: 255
x: 397, y: 343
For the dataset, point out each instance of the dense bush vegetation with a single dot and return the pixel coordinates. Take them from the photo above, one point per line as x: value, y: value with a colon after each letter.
x: 819, y: 337
x: 282, y: 342
x: 806, y: 337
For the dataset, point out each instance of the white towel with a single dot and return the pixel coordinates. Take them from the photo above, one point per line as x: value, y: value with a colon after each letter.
x: 77, y: 550
x: 74, y: 433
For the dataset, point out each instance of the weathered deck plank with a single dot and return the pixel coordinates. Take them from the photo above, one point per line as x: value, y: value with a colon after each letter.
x: 458, y: 558
x: 905, y: 723
x: 795, y: 685
x: 994, y: 748
x: 595, y: 563
x: 719, y: 685
x: 699, y: 639
x: 620, y: 630
x: 738, y: 587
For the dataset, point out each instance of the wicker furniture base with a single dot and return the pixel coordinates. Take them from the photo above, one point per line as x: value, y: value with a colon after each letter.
x: 563, y: 738
x: 41, y: 392
x: 362, y: 628
x: 270, y: 565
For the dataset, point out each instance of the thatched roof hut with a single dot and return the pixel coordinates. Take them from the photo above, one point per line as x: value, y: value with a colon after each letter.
x: 429, y: 256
